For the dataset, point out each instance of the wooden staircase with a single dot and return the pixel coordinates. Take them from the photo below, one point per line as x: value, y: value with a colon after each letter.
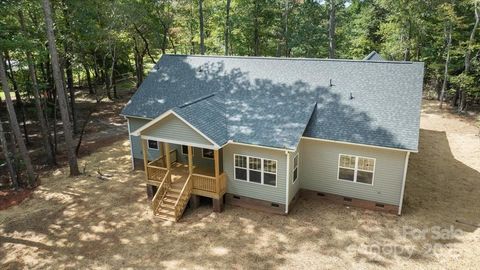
x: 172, y: 197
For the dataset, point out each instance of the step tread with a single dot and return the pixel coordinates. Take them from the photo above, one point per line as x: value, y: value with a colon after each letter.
x: 174, y: 196
x: 168, y: 206
x: 165, y: 217
x: 164, y: 211
x: 169, y: 200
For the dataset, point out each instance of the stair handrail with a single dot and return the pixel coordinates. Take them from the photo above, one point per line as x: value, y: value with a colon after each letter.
x: 158, y: 196
x: 183, y: 190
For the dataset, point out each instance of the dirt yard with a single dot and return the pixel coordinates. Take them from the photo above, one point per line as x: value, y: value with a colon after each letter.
x: 90, y: 223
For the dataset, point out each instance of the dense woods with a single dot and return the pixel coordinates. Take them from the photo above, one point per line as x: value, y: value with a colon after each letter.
x: 51, y: 49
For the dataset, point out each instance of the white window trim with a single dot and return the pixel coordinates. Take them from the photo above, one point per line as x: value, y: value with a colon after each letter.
x: 203, y: 154
x: 186, y: 154
x: 150, y: 148
x: 262, y: 171
x: 356, y: 169
x: 297, y: 156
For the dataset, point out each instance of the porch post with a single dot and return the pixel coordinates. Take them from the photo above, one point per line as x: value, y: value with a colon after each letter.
x: 166, y: 146
x: 217, y: 203
x: 145, y: 155
x: 190, y: 160
x: 217, y: 169
x: 162, y: 151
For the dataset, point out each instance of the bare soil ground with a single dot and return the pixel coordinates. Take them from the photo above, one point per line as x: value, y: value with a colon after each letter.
x: 104, y: 127
x: 85, y: 222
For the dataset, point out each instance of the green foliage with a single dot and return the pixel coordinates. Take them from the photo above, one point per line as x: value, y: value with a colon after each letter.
x: 99, y: 30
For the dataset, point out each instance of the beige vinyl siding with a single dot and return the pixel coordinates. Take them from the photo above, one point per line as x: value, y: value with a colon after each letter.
x: 294, y: 187
x: 319, y: 168
x: 253, y: 190
x: 172, y: 128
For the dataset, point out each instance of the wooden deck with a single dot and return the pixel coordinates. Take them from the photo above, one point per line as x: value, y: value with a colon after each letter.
x: 204, y: 182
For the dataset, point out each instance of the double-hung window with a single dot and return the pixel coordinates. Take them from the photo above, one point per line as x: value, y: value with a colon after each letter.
x: 185, y: 150
x: 295, y: 169
x: 207, y: 153
x: 152, y: 144
x: 255, y: 170
x: 356, y: 169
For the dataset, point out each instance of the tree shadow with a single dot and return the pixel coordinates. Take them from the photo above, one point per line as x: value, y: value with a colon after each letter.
x: 441, y: 189
x: 260, y: 110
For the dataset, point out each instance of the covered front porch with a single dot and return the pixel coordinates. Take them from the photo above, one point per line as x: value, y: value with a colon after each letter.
x: 181, y: 163
x: 207, y: 181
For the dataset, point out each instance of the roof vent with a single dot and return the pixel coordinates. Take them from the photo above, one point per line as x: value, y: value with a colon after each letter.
x: 188, y: 103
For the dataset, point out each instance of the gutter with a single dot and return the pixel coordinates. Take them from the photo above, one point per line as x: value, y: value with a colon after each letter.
x: 287, y: 180
x: 407, y: 156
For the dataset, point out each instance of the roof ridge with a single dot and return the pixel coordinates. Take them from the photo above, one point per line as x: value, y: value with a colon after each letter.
x: 292, y: 58
x: 191, y: 102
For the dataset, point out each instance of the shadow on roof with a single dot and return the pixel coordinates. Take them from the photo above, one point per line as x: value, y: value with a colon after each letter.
x: 256, y: 111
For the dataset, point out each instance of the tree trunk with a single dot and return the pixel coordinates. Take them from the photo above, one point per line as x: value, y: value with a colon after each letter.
x: 18, y: 98
x: 112, y: 75
x: 68, y: 65
x: 55, y: 120
x: 47, y: 141
x: 447, y: 62
x: 91, y: 91
x: 50, y: 83
x: 285, y: 35
x: 138, y: 63
x: 406, y: 55
x: 15, y: 127
x: 106, y: 77
x: 146, y: 44
x: 256, y: 31
x: 44, y: 72
x: 331, y: 29
x: 202, y: 33
x: 8, y: 157
x: 463, y: 94
x: 71, y: 91
x: 173, y: 45
x: 227, y: 26
x: 62, y: 101
x: 192, y: 32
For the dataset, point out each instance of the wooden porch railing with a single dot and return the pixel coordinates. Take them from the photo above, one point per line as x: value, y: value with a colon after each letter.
x: 159, y: 161
x: 161, y: 191
x: 156, y: 173
x: 183, y: 198
x: 209, y: 185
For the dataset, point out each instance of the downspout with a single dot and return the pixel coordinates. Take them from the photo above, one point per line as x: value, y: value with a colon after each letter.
x: 131, y: 145
x: 287, y: 178
x: 407, y: 156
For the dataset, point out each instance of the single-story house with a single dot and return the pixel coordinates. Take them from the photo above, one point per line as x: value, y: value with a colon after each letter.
x: 261, y: 131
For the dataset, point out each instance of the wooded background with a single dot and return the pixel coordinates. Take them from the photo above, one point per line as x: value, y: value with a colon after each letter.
x: 52, y: 49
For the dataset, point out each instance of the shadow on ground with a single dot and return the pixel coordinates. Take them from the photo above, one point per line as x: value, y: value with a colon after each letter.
x: 87, y: 222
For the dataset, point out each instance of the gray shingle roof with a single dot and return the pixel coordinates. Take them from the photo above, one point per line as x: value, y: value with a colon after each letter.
x: 269, y: 101
x: 208, y: 114
x: 374, y: 56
